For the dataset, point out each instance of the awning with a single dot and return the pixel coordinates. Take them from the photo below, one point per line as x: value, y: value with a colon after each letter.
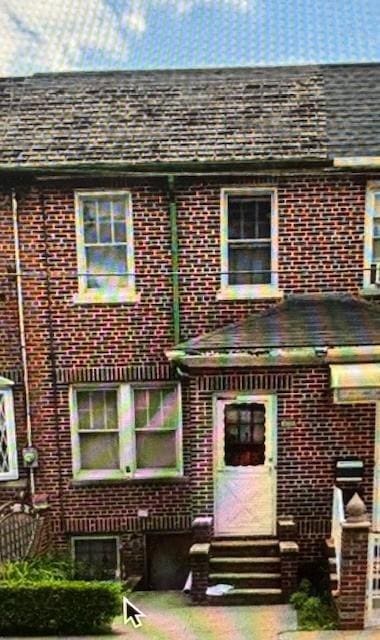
x: 355, y: 382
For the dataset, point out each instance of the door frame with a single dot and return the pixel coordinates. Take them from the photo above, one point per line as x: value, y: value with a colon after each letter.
x: 270, y: 400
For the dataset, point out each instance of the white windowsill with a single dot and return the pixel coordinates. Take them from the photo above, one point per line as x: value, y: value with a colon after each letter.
x: 249, y: 292
x: 370, y: 290
x: 107, y: 297
x: 116, y: 475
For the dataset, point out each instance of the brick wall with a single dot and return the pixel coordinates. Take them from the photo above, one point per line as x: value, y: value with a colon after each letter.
x: 321, y: 222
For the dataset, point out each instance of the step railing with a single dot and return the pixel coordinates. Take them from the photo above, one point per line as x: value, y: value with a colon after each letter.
x: 336, y: 527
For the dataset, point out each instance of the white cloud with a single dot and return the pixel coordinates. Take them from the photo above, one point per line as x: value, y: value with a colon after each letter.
x: 54, y: 34
x: 134, y: 17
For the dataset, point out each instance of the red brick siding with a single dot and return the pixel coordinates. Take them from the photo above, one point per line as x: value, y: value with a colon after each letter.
x: 321, y: 222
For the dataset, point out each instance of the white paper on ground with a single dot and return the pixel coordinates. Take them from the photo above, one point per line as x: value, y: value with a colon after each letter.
x: 219, y: 589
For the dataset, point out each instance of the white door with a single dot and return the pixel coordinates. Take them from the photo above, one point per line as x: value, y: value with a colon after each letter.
x: 245, y: 465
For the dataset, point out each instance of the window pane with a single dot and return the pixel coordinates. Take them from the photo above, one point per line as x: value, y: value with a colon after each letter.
x: 234, y: 218
x: 90, y: 232
x: 4, y: 456
x: 95, y: 559
x: 89, y: 211
x: 106, y: 260
x: 120, y: 231
x: 83, y: 406
x: 155, y: 450
x: 376, y: 250
x: 111, y: 409
x: 118, y: 207
x: 253, y: 262
x: 141, y: 409
x: 249, y: 217
x: 377, y: 202
x: 264, y: 208
x: 156, y: 408
x: 376, y: 228
x: 104, y: 210
x: 99, y: 451
x: 97, y: 410
x: 105, y: 232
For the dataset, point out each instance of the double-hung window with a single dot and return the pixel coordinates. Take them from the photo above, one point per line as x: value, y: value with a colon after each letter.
x: 249, y: 243
x: 126, y: 431
x: 8, y: 452
x: 105, y: 246
x: 372, y: 238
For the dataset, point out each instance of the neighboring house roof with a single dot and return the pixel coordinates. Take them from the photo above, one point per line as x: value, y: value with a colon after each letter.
x: 300, y: 321
x: 210, y: 115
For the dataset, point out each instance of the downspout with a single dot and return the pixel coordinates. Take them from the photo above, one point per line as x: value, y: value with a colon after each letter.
x: 175, y: 261
x: 24, y: 359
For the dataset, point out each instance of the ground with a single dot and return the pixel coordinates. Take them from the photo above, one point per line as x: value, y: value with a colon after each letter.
x: 169, y: 616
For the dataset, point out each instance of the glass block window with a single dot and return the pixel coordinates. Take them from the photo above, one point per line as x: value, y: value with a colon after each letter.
x: 8, y: 453
x: 105, y: 242
x: 96, y: 558
x: 244, y: 429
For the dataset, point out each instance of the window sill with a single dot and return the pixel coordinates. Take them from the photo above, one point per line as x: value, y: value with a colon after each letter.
x: 8, y: 483
x: 250, y: 292
x: 104, y: 297
x: 84, y: 482
x: 370, y: 291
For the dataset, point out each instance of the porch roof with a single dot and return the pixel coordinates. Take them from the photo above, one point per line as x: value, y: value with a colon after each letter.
x: 299, y: 321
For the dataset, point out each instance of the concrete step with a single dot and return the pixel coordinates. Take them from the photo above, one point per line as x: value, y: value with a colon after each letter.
x: 252, y: 564
x: 248, y: 597
x: 240, y: 548
x: 248, y: 580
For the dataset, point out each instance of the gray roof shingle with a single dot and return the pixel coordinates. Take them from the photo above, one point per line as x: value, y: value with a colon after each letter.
x: 190, y: 115
x: 300, y: 321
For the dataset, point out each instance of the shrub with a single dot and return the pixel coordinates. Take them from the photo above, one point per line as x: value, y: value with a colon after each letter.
x: 47, y: 567
x: 314, y: 612
x: 58, y: 607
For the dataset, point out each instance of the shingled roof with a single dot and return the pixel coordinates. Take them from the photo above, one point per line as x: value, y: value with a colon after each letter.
x: 300, y: 321
x: 209, y: 115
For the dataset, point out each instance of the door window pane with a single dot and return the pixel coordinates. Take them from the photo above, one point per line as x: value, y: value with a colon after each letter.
x: 244, y: 434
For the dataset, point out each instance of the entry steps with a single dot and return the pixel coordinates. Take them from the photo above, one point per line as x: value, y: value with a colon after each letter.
x: 251, y: 566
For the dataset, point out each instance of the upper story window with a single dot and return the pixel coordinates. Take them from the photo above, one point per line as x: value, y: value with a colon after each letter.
x: 124, y: 431
x: 8, y: 452
x: 105, y: 247
x: 372, y: 238
x: 249, y: 244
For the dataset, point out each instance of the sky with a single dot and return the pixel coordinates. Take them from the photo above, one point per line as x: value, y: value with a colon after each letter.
x: 70, y: 35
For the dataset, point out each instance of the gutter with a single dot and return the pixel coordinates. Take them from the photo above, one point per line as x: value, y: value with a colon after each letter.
x: 24, y: 358
x: 276, y: 357
x: 357, y: 162
x: 175, y: 262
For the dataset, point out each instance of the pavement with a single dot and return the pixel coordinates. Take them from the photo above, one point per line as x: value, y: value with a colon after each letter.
x: 170, y: 616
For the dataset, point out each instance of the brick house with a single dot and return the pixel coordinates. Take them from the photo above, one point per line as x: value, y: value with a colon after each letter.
x: 189, y: 277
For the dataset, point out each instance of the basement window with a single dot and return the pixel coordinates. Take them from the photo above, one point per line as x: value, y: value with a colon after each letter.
x: 249, y: 265
x: 105, y: 247
x: 96, y: 558
x: 126, y: 431
x: 8, y: 452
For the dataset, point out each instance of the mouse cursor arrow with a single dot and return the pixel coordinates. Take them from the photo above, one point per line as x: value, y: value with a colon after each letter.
x: 132, y: 614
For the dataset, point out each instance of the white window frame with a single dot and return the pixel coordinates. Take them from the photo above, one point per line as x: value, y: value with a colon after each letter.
x: 248, y: 291
x: 100, y: 537
x: 127, y: 435
x: 86, y: 295
x: 373, y: 188
x: 6, y: 390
